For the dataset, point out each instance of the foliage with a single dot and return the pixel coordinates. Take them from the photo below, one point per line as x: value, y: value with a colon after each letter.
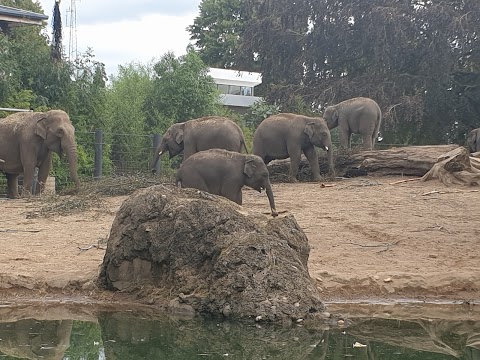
x: 417, y: 59
x: 85, y: 341
x: 259, y: 111
x: 127, y: 135
x: 216, y: 33
x: 182, y: 90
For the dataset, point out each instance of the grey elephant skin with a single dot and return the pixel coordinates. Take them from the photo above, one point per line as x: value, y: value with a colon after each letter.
x: 473, y: 140
x: 288, y: 135
x: 210, y: 132
x: 223, y: 172
x: 28, y: 140
x: 355, y: 116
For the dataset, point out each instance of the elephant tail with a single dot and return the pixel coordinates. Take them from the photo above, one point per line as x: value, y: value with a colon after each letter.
x: 178, y: 179
x: 377, y: 127
x: 244, y: 146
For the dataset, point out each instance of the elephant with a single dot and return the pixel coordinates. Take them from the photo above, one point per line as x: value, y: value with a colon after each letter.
x: 473, y: 141
x: 196, y: 135
x: 288, y: 135
x: 355, y: 116
x: 28, y: 140
x: 223, y: 172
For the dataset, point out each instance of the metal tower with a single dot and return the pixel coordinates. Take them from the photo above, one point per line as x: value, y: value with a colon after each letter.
x: 71, y: 22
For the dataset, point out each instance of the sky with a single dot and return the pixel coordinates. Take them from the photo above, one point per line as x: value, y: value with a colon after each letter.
x: 122, y: 31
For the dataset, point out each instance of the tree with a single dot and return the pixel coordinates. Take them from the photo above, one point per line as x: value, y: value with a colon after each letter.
x: 182, y: 90
x: 417, y: 59
x: 216, y: 32
x: 125, y: 118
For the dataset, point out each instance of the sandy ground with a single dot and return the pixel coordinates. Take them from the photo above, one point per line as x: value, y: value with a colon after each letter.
x: 369, y: 239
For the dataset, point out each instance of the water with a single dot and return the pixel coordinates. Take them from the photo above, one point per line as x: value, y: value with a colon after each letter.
x: 379, y: 332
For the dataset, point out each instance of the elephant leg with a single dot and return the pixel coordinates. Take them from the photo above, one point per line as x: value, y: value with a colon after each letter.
x: 231, y: 192
x: 295, y: 154
x: 188, y: 150
x: 312, y: 157
x: 344, y: 136
x: 367, y: 141
x: 43, y: 172
x: 12, y: 186
x: 28, y: 175
x: 237, y: 197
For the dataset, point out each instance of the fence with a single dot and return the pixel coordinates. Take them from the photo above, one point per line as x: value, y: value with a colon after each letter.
x: 113, y: 154
x: 116, y: 154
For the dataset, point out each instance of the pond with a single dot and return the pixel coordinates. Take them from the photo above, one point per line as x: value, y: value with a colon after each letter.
x: 355, y: 331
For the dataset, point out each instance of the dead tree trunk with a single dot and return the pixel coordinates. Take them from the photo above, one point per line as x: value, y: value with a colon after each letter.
x: 455, y: 167
x: 408, y: 161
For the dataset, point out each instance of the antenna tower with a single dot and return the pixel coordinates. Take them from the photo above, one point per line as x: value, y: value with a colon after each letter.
x: 71, y: 20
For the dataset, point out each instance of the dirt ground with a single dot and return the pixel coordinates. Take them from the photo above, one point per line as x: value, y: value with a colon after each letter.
x: 369, y: 238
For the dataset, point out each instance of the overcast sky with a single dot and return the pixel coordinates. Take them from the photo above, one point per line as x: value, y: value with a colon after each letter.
x: 122, y: 31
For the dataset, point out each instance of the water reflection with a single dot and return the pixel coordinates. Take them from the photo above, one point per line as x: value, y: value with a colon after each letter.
x: 102, y: 334
x: 32, y: 339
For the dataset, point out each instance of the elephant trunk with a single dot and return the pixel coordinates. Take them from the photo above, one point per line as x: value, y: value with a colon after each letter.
x: 70, y: 149
x: 158, y: 152
x: 268, y: 188
x: 331, y: 166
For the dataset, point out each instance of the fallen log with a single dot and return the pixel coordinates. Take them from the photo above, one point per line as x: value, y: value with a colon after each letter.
x: 407, y: 161
x: 455, y: 168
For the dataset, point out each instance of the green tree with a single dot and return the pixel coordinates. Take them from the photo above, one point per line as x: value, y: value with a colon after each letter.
x: 417, y: 59
x: 182, y: 90
x: 126, y: 124
x: 216, y: 32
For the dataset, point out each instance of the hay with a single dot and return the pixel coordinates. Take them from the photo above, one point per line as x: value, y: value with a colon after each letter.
x: 91, y: 195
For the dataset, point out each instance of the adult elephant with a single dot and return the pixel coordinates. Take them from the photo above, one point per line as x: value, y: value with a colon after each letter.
x: 355, y: 116
x: 473, y: 141
x: 28, y: 139
x: 196, y: 135
x: 223, y: 172
x: 288, y: 135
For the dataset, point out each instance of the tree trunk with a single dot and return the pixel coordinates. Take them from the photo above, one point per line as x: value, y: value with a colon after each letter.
x: 456, y: 167
x: 408, y: 161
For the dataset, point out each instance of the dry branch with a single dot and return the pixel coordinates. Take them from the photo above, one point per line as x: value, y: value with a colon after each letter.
x: 404, y: 181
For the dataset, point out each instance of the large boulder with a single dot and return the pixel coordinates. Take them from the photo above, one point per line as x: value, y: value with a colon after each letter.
x: 204, y: 254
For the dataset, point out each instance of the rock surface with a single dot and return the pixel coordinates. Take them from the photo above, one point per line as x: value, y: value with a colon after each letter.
x: 203, y: 253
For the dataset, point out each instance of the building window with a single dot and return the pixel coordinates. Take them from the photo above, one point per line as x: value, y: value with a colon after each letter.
x: 235, y: 89
x: 222, y: 88
x: 246, y: 91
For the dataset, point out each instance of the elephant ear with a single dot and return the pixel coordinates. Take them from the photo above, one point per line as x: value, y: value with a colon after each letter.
x: 179, y: 136
x: 249, y: 167
x: 309, y: 129
x: 331, y: 117
x: 41, y: 126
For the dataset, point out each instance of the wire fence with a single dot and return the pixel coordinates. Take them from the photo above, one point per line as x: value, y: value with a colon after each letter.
x: 117, y: 154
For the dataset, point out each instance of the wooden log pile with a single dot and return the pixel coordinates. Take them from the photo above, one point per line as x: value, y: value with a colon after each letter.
x: 407, y: 161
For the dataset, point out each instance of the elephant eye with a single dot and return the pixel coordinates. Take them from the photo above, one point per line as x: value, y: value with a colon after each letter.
x: 60, y: 132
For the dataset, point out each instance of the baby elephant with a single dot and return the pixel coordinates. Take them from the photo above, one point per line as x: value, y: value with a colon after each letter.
x: 223, y: 172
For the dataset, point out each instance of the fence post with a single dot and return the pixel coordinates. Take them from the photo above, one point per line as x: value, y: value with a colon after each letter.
x: 157, y: 139
x: 97, y: 173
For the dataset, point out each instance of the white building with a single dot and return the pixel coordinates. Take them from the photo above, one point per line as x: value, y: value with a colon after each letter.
x: 236, y: 87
